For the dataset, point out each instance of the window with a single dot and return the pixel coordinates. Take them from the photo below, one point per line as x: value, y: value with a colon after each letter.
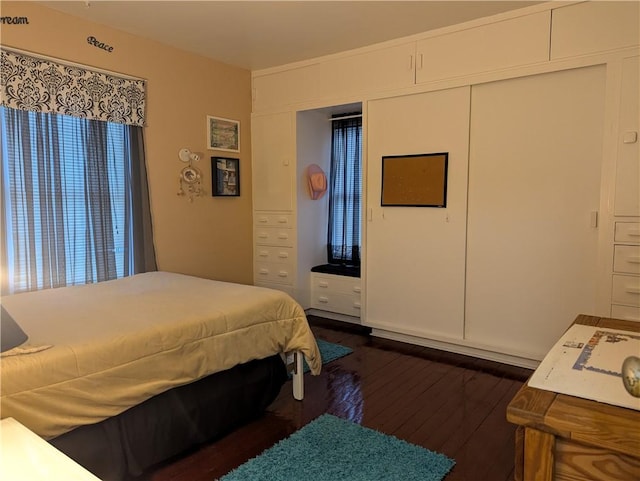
x: 66, y: 200
x: 343, y: 243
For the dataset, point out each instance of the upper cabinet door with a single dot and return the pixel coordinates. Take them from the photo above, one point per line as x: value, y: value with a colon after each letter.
x: 273, y: 147
x: 509, y: 43
x: 349, y: 75
x: 592, y: 27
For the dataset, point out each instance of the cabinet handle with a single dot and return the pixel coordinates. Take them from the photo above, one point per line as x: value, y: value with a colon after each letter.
x: 420, y: 63
x: 356, y: 305
x: 263, y: 220
x: 282, y: 220
x: 283, y: 255
x: 263, y: 253
x: 323, y: 299
x: 264, y: 272
x: 410, y: 62
x: 356, y: 289
x: 283, y: 236
x: 634, y: 260
x: 283, y: 274
x: 633, y: 290
x: 634, y: 233
x: 262, y: 235
x: 323, y: 284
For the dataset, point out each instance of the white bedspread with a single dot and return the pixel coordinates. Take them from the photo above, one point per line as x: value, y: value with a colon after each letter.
x: 118, y: 343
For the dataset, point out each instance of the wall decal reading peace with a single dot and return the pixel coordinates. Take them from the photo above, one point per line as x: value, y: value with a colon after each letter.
x: 96, y: 43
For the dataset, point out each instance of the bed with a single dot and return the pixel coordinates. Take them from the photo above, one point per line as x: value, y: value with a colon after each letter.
x: 124, y: 374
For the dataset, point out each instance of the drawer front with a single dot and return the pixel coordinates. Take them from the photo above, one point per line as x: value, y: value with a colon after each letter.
x: 273, y: 236
x: 280, y: 255
x: 273, y: 272
x: 273, y: 220
x: 336, y: 284
x: 339, y: 303
x: 628, y: 313
x: 627, y: 232
x: 626, y: 290
x: 627, y: 259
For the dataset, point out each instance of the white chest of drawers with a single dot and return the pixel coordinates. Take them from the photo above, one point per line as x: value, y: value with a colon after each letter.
x: 274, y: 251
x: 334, y: 293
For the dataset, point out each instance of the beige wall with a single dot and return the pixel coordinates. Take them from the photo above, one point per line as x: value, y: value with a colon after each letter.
x: 210, y: 237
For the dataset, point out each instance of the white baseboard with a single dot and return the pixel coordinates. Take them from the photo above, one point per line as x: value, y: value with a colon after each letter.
x: 457, y: 348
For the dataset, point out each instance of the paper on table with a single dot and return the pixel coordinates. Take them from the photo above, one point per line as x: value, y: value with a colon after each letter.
x: 587, y: 362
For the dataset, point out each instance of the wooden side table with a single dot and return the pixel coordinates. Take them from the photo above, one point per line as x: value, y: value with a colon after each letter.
x: 561, y: 437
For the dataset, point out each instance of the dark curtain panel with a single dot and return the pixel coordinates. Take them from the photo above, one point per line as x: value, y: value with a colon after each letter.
x: 343, y: 243
x: 140, y: 229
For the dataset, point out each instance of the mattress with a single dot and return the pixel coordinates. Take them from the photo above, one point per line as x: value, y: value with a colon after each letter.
x: 116, y: 344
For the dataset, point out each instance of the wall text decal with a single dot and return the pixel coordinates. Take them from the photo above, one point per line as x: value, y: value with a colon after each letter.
x: 14, y: 20
x: 96, y: 43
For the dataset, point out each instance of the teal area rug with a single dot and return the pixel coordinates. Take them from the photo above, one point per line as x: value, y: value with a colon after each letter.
x: 333, y: 449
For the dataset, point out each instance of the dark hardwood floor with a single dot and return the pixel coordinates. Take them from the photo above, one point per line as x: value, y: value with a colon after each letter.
x: 445, y: 402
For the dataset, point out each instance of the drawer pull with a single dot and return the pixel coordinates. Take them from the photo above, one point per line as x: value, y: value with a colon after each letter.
x: 283, y: 255
x: 633, y: 260
x: 634, y: 233
x: 263, y: 235
x: 356, y: 305
x: 263, y: 253
x: 283, y: 274
x: 264, y: 272
x: 282, y: 220
x: 323, y: 299
x: 263, y: 220
x: 356, y: 289
x: 633, y: 290
x: 283, y: 236
x: 323, y: 284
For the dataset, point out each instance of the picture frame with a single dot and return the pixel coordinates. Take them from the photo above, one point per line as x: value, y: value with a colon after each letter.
x: 223, y: 134
x: 416, y: 180
x: 225, y: 177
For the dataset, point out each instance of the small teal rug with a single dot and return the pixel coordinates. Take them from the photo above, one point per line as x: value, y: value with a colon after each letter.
x: 333, y: 449
x: 329, y: 351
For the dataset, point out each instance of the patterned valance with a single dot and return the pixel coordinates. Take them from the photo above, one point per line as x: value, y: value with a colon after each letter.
x: 43, y: 85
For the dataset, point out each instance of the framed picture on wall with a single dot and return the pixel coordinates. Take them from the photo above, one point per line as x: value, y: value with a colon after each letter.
x: 416, y: 180
x: 225, y: 172
x: 223, y: 134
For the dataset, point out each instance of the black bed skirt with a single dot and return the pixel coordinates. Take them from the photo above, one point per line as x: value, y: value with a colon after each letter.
x: 124, y: 446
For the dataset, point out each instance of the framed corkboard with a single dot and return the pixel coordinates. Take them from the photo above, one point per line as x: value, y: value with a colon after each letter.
x: 418, y: 180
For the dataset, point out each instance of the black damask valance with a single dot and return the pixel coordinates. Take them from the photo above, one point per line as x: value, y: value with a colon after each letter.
x: 42, y: 85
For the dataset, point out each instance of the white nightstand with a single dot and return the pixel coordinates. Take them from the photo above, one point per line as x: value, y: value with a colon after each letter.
x: 24, y: 456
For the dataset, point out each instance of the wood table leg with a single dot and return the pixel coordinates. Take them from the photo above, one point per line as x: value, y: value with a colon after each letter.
x: 538, y: 455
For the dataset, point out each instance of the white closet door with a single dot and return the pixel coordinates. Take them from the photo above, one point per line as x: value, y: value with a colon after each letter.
x: 415, y: 255
x: 534, y: 182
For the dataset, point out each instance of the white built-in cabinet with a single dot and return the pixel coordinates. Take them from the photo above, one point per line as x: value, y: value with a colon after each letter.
x: 405, y: 64
x: 274, y: 226
x: 538, y: 110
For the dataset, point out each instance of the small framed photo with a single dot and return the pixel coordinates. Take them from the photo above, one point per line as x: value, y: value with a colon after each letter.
x: 223, y: 134
x: 225, y: 173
